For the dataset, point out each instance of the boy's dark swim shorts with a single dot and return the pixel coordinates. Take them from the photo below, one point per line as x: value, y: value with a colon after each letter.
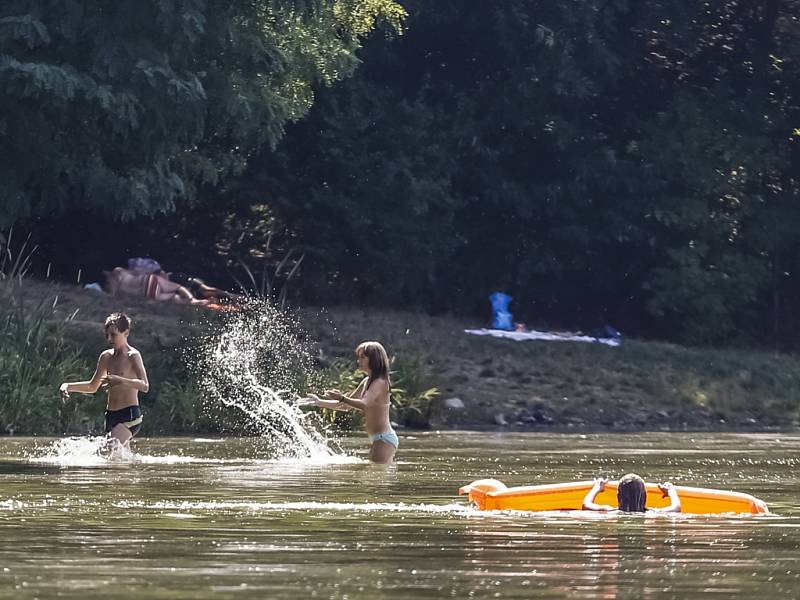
x: 130, y: 416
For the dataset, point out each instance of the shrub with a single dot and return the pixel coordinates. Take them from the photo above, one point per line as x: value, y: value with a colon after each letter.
x: 412, y: 393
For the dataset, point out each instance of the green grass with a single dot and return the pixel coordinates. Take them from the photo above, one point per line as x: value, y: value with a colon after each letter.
x: 639, y: 385
x: 555, y: 385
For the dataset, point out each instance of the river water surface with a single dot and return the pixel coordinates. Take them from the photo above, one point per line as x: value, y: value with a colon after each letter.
x: 213, y: 518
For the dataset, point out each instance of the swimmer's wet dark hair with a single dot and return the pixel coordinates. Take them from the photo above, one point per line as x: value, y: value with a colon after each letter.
x: 119, y: 320
x: 631, y: 493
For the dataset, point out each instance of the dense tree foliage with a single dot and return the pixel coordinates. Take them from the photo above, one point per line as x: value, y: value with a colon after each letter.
x: 631, y: 162
x: 125, y: 107
x: 616, y: 161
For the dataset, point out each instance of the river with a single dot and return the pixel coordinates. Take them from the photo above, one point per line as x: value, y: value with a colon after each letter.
x: 214, y: 518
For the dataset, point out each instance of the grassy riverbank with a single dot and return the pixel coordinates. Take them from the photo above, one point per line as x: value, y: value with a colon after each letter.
x: 502, y: 384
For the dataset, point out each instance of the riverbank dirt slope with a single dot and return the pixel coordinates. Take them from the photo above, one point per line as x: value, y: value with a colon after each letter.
x: 488, y: 383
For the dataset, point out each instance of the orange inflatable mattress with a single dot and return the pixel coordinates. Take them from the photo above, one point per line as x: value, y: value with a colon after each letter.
x: 490, y: 494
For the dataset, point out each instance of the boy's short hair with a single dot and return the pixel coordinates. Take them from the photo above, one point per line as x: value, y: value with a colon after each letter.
x: 120, y: 320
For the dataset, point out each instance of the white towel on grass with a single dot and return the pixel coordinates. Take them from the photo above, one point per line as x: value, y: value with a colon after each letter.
x: 543, y: 335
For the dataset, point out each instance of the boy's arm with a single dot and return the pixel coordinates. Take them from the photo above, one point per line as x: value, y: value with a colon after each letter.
x: 140, y: 382
x: 91, y: 386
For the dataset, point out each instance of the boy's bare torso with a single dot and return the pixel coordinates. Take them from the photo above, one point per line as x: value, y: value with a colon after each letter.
x: 122, y: 364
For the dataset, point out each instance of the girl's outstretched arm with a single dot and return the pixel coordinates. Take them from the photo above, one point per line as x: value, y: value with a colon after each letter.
x: 354, y: 400
x: 315, y: 400
x: 340, y: 398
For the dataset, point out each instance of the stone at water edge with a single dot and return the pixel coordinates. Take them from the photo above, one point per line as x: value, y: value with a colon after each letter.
x: 454, y: 403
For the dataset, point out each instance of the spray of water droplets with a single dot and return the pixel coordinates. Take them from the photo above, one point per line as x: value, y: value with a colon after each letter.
x: 253, y: 361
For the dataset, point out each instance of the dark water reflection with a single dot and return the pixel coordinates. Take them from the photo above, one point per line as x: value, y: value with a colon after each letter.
x: 212, y: 518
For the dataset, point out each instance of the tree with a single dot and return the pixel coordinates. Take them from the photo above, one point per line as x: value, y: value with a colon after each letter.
x: 124, y: 108
x: 627, y: 162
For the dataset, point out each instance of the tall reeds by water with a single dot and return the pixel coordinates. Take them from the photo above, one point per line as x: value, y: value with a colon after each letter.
x: 34, y: 355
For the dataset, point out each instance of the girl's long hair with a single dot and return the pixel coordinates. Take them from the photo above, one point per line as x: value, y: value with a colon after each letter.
x: 378, y: 361
x: 631, y: 493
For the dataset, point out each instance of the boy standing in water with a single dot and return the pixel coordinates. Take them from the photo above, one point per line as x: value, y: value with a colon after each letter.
x: 120, y: 371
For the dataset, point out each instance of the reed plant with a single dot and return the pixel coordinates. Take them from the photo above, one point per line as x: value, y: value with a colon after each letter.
x: 269, y: 280
x: 35, y: 356
x: 14, y: 263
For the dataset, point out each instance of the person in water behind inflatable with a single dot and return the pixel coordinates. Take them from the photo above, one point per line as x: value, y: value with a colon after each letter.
x: 631, y: 496
x: 372, y: 398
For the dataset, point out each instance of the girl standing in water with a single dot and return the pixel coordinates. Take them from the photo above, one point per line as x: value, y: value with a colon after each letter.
x: 370, y: 397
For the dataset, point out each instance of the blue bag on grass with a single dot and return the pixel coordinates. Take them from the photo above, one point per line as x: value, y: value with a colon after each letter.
x: 502, y: 317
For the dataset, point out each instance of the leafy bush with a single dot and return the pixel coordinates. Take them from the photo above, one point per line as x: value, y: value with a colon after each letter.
x: 411, y: 391
x: 175, y: 409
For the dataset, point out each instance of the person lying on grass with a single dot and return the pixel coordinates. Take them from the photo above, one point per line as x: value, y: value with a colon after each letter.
x: 154, y: 286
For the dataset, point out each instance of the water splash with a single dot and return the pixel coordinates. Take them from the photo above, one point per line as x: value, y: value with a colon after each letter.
x: 218, y: 506
x: 254, y: 361
x: 93, y: 452
x: 81, y: 452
